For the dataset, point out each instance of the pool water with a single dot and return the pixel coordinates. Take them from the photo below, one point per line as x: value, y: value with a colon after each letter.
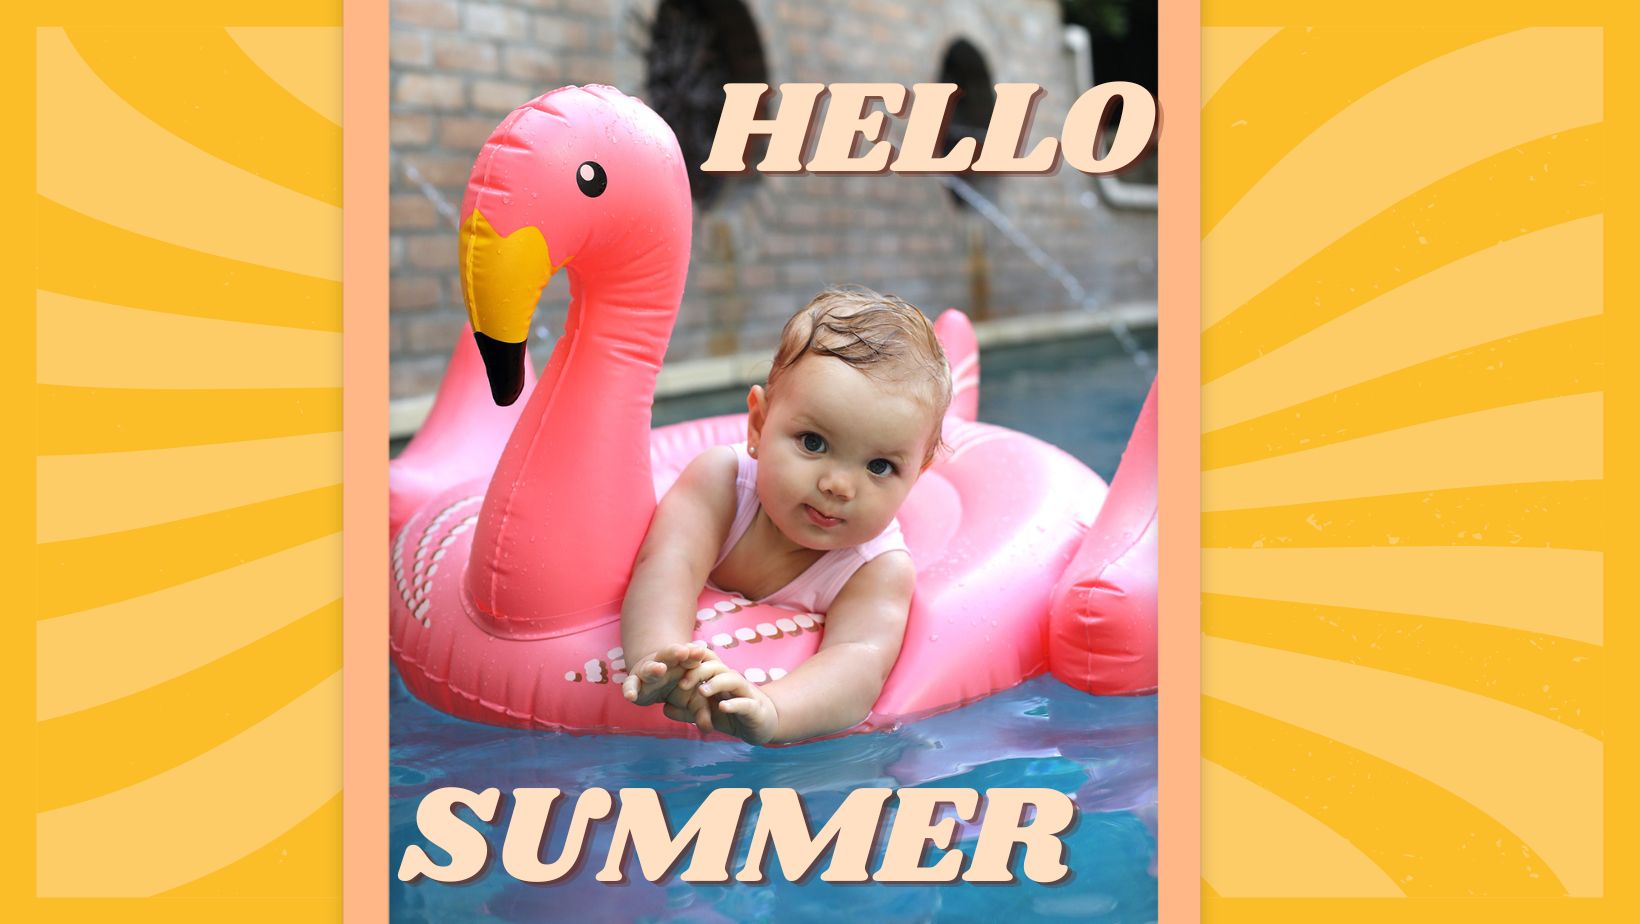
x: 1081, y: 394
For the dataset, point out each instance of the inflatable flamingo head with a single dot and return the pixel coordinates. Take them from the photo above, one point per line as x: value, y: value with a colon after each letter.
x: 584, y: 178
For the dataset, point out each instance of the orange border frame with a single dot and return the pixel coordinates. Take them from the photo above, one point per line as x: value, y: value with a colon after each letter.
x: 365, y: 89
x: 364, y: 415
x: 1178, y: 295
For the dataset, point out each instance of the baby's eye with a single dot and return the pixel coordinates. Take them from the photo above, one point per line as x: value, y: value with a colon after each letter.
x: 812, y: 442
x: 880, y: 467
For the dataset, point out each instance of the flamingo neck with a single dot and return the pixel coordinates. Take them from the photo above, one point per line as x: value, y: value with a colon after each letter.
x: 572, y: 496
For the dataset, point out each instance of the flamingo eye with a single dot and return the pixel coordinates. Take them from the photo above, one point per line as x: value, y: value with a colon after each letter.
x: 592, y: 179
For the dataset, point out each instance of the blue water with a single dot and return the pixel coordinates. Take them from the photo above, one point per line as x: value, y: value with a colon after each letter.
x: 1082, y: 395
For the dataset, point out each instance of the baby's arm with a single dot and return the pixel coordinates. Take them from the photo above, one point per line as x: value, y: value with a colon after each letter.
x: 837, y: 687
x: 658, y: 615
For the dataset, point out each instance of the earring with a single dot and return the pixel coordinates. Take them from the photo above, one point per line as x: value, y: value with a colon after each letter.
x: 751, y: 451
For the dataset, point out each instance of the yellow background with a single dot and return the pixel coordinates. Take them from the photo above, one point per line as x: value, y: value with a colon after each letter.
x: 176, y: 669
x: 1413, y: 478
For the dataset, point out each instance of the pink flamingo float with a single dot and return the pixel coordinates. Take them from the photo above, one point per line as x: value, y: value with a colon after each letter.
x: 514, y: 530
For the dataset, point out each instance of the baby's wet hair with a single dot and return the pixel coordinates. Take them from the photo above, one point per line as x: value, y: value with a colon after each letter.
x: 883, y: 336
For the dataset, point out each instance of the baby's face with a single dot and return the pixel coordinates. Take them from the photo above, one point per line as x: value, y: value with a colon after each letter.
x: 837, y: 452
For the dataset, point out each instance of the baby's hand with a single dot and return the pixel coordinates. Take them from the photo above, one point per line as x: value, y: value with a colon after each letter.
x: 720, y: 697
x: 655, y: 675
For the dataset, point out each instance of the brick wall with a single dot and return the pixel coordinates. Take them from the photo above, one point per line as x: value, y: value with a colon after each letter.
x: 761, y: 250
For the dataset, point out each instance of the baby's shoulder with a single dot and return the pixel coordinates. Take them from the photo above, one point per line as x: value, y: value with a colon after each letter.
x: 711, y: 475
x: 718, y: 459
x: 713, y: 464
x: 888, y: 577
x: 891, y: 539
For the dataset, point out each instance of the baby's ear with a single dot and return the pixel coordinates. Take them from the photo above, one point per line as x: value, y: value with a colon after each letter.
x: 757, y: 411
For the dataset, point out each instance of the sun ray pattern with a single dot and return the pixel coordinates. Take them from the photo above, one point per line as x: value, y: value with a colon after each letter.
x: 104, y: 749
x: 1225, y: 50
x: 87, y: 420
x: 1553, y: 676
x: 1301, y: 78
x: 84, y: 657
x: 1421, y: 835
x: 1535, y: 186
x: 1463, y: 106
x: 305, y: 60
x: 181, y: 197
x: 1492, y: 294
x: 1501, y: 760
x: 91, y: 494
x: 1403, y: 448
x: 240, y: 115
x: 141, y: 272
x: 1553, y: 514
x: 196, y: 817
x: 1549, y: 362
x: 1484, y: 447
x: 1478, y: 585
x: 92, y: 344
x: 1306, y: 851
x: 188, y: 464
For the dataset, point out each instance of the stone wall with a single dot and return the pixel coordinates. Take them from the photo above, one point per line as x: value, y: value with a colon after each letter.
x: 767, y: 244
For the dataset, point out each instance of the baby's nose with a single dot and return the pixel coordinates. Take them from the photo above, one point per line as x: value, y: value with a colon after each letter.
x: 835, y: 483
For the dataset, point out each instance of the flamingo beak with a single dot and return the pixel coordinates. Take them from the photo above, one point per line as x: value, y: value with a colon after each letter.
x: 501, y: 280
x: 504, y: 364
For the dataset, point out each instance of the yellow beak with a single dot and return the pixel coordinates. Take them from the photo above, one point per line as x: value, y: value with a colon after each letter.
x: 501, y: 281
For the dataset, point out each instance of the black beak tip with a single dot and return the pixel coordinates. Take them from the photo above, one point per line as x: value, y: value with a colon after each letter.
x: 504, y: 364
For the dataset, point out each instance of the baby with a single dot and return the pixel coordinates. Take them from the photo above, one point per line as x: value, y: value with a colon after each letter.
x: 802, y: 514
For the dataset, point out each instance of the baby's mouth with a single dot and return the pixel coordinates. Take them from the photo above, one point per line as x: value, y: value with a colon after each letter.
x: 819, y: 519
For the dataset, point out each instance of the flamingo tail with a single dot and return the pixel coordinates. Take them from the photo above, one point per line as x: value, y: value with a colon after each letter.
x: 462, y: 437
x: 956, y: 335
x: 1102, y: 613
